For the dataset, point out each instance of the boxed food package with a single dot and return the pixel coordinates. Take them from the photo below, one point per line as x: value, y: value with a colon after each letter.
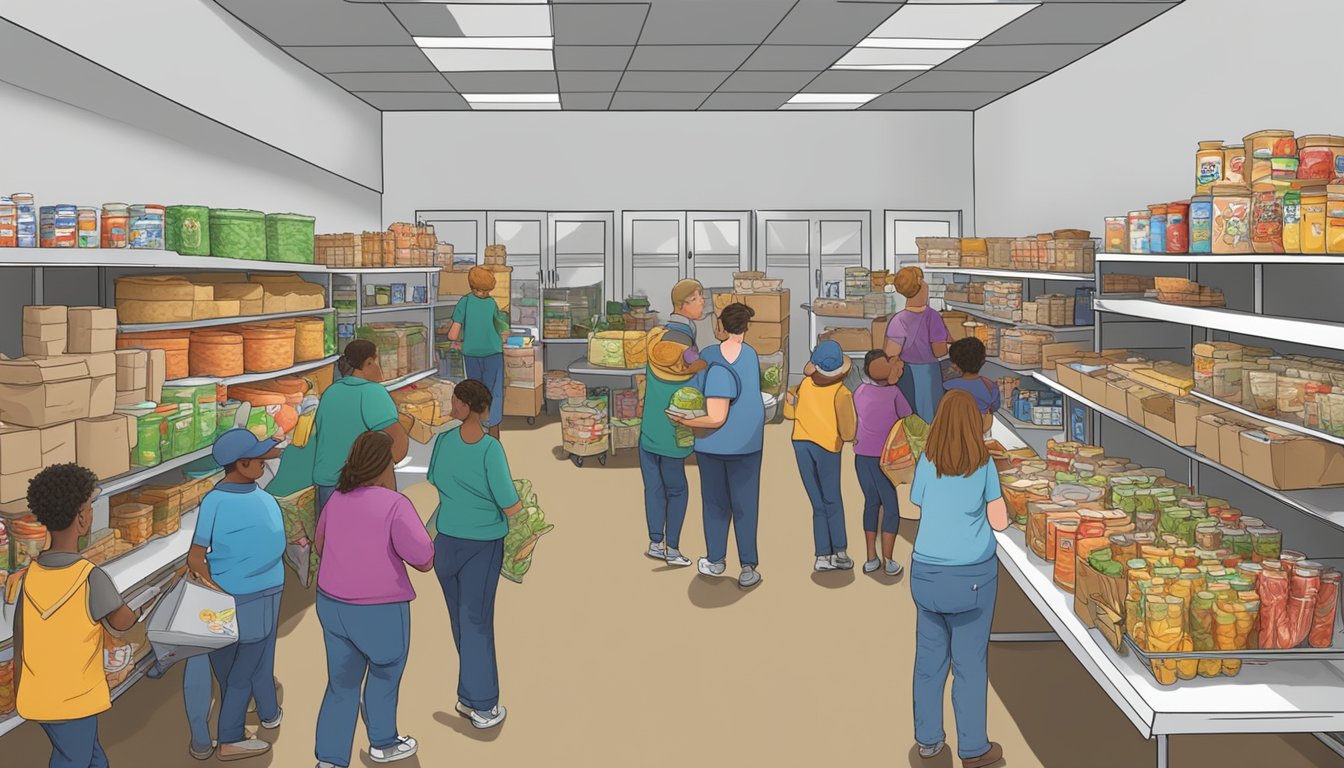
x: 45, y: 331
x: 416, y: 429
x: 103, y: 445
x: 41, y: 392
x: 520, y: 401
x: 453, y: 283
x: 770, y: 307
x: 1231, y: 426
x: 91, y: 330
x: 132, y: 369
x: 20, y: 461
x: 1164, y: 376
x: 1206, y: 437
x: 58, y: 444
x: 1288, y: 461
x: 1095, y: 385
x: 849, y: 339
x: 161, y: 288
x: 1135, y: 397
x: 765, y: 338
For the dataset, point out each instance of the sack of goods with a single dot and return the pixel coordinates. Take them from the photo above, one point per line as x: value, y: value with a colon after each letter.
x: 618, y: 349
x: 905, y: 444
x: 525, y: 528
x: 192, y: 620
x: 299, y: 512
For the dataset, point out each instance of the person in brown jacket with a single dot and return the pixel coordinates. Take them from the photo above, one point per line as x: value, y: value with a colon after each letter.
x: 822, y: 410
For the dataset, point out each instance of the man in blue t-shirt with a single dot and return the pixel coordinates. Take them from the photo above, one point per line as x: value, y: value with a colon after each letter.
x: 968, y: 355
x: 237, y: 548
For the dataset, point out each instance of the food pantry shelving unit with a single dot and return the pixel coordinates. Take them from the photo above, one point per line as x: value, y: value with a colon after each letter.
x: 1293, y: 696
x: 138, y: 571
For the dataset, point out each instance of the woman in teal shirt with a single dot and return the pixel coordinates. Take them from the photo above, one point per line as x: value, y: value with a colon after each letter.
x: 480, y: 325
x: 954, y: 579
x: 476, y: 498
x: 356, y: 403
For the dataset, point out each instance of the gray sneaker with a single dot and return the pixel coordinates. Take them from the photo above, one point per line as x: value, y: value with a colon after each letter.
x: 750, y: 577
x: 203, y: 754
x: 893, y: 568
x: 872, y: 566
x: 656, y: 551
x: 707, y: 568
x: 676, y: 559
x: 404, y: 748
x: 930, y: 751
x: 241, y: 750
x: 843, y: 561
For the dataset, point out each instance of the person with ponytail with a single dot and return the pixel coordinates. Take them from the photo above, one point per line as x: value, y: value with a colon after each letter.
x: 356, y: 403
x: 367, y: 536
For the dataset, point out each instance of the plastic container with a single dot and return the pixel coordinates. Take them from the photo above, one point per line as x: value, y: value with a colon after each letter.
x: 1178, y: 227
x: 1231, y: 231
x: 187, y: 229
x: 238, y: 234
x: 1201, y: 224
x: 1234, y: 163
x: 134, y: 520
x: 1157, y: 228
x: 309, y: 339
x: 267, y: 348
x: 1334, y: 219
x: 201, y: 397
x: 1267, y: 218
x: 146, y: 227
x: 25, y: 220
x: 28, y: 538
x: 1292, y: 220
x: 1320, y: 156
x: 215, y: 353
x: 9, y: 224
x: 1138, y: 231
x: 57, y: 226
x: 149, y: 433
x: 176, y: 345
x: 289, y: 238
x: 115, y: 225
x: 1208, y: 165
x: 1313, y: 219
x: 1117, y: 235
x: 86, y: 228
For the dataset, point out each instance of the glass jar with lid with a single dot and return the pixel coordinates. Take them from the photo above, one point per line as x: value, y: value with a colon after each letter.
x: 1266, y: 543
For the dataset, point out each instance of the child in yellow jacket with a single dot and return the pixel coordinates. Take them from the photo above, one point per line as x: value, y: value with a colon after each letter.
x: 822, y: 410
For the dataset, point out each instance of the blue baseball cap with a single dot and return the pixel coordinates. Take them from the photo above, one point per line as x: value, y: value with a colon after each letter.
x: 829, y: 359
x: 240, y: 444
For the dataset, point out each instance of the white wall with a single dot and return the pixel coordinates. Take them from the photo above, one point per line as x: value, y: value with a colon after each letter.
x: 1118, y: 130
x: 195, y: 53
x: 614, y: 161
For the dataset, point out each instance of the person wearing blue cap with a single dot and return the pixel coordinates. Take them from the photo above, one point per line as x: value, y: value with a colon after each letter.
x: 237, y: 548
x: 822, y: 410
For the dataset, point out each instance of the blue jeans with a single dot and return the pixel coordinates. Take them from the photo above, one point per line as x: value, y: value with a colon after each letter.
x: 196, y: 697
x: 490, y: 372
x: 665, y: 496
x: 879, y: 495
x: 246, y: 669
x: 922, y: 385
x: 324, y: 493
x: 730, y: 492
x: 956, y: 607
x: 74, y: 743
x: 820, y: 469
x: 372, y: 639
x: 468, y: 572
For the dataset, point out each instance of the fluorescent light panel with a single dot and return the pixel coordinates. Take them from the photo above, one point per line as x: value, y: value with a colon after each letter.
x: 481, y: 20
x: 919, y: 43
x: 963, y: 21
x: 511, y: 98
x: 894, y: 58
x: 490, y: 60
x: 515, y: 106
x: 832, y: 98
x: 504, y: 43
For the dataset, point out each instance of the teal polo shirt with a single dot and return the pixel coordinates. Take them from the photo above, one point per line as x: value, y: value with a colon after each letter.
x: 349, y: 408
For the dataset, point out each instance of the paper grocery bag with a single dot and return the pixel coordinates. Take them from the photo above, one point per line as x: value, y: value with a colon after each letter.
x: 191, y: 620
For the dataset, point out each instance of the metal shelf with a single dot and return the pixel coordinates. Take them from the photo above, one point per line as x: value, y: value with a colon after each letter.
x: 844, y: 319
x: 582, y: 367
x: 386, y: 308
x: 1011, y: 366
x: 141, y: 327
x: 1317, y: 333
x: 1018, y: 274
x: 381, y: 270
x: 138, y: 476
x: 976, y: 310
x: 1285, y: 425
x: 409, y: 379
x: 248, y: 378
x: 134, y: 258
x: 134, y: 567
x: 1017, y: 423
x: 1224, y: 258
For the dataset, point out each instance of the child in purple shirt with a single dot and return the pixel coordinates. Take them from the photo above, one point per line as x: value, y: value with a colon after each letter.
x: 878, y: 405
x: 968, y: 355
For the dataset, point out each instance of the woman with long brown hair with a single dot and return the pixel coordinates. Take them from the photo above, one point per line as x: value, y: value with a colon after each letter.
x: 367, y: 535
x: 954, y: 579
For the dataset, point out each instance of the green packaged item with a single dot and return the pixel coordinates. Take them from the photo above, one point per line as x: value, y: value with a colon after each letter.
x: 289, y: 238
x: 525, y: 528
x: 238, y: 234
x: 1266, y: 543
x: 149, y: 433
x: 224, y: 416
x: 260, y: 423
x: 203, y: 396
x: 187, y: 229
x: 689, y: 402
x: 329, y: 334
x: 181, y: 432
x: 1066, y: 478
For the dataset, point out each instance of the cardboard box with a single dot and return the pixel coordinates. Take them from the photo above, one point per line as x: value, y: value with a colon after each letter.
x: 849, y: 339
x: 453, y: 283
x: 103, y: 445
x: 156, y: 373
x: 1206, y: 437
x: 1096, y: 386
x: 416, y: 429
x: 102, y: 396
x: 33, y: 347
x: 1287, y: 461
x: 131, y: 397
x: 20, y: 450
x: 45, y: 315
x: 100, y: 364
x: 58, y: 444
x: 769, y: 307
x: 520, y: 401
x: 132, y: 369
x: 92, y: 330
x: 1052, y: 352
x: 1134, y: 399
x: 1117, y: 394
x: 27, y: 370
x: 14, y: 487
x: 1187, y: 419
x: 46, y: 404
x: 1160, y: 416
x: 46, y: 331
x: 765, y: 338
x: 1229, y: 439
x: 879, y: 331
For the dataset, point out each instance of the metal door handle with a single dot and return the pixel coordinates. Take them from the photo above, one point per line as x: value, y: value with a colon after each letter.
x: 689, y: 255
x: 818, y: 279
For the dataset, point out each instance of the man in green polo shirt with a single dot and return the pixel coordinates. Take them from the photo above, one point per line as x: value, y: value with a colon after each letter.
x: 353, y: 405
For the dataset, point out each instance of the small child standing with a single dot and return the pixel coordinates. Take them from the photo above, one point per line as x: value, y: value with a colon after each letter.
x: 968, y: 355
x: 879, y: 405
x: 823, y: 421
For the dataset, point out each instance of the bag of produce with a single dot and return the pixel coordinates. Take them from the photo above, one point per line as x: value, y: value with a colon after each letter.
x: 905, y: 444
x: 299, y: 513
x: 690, y: 403
x: 525, y: 528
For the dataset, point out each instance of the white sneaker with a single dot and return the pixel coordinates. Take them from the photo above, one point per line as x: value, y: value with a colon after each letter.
x: 707, y: 568
x: 842, y: 561
x: 824, y: 564
x: 656, y: 551
x: 750, y: 577
x: 893, y: 568
x: 676, y: 559
x: 872, y: 566
x: 404, y: 748
x: 325, y: 764
x: 930, y: 751
x: 271, y: 725
x: 494, y: 717
x: 241, y: 750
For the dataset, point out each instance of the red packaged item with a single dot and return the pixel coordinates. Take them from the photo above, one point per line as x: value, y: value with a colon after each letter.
x: 1273, y: 589
x: 1327, y: 605
x: 1305, y: 579
x: 1301, y: 611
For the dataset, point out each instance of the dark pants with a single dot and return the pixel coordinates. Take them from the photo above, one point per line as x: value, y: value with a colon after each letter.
x: 730, y: 492
x: 956, y: 608
x: 360, y: 639
x: 468, y: 572
x: 665, y: 496
x: 922, y: 385
x: 820, y: 469
x: 879, y: 495
x: 246, y: 669
x: 74, y: 743
x: 490, y: 372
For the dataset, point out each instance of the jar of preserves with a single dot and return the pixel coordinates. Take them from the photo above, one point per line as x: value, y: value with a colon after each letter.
x: 1231, y: 219
x: 57, y: 226
x: 1266, y: 543
x: 1251, y: 522
x: 1157, y: 228
x: 1290, y: 557
x: 1138, y: 231
x: 87, y: 219
x: 1201, y: 224
x: 25, y: 219
x: 29, y: 539
x: 9, y: 225
x: 1208, y: 165
x: 1266, y: 218
x: 1209, y: 536
x: 1234, y: 163
x: 1238, y: 541
x: 1117, y: 234
x: 146, y: 227
x: 1313, y: 219
x: 1178, y: 227
x: 116, y: 219
x: 1250, y: 572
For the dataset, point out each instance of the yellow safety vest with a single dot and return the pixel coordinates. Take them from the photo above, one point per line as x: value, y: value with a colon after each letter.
x: 62, y: 677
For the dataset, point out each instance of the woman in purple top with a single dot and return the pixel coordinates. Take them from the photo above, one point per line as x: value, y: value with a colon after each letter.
x: 879, y: 405
x: 367, y: 534
x: 916, y: 338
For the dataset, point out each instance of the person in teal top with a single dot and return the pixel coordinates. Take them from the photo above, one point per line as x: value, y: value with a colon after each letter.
x: 476, y: 498
x: 354, y: 404
x: 479, y: 324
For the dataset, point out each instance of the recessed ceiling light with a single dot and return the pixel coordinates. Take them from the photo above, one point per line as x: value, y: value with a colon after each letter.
x: 832, y: 98
x: 962, y: 21
x: 515, y: 105
x: 512, y: 98
x: 895, y: 58
x: 513, y: 43
x: 488, y: 20
x: 490, y: 60
x: 921, y: 43
x: 884, y: 67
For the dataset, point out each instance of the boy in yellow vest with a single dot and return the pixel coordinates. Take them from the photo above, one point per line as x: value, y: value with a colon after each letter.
x: 822, y: 410
x: 63, y: 603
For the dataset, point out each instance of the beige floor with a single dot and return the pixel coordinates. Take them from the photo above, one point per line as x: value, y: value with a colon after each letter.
x: 608, y: 658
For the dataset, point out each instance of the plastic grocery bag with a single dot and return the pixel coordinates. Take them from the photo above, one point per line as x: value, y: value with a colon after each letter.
x: 525, y: 529
x: 191, y: 620
x: 298, y: 510
x: 905, y: 444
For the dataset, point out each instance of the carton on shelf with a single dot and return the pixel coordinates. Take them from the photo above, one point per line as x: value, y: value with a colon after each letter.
x: 44, y: 331
x: 103, y: 445
x: 20, y: 461
x: 42, y: 392
x: 58, y: 444
x: 954, y: 320
x: 1288, y: 461
x: 1095, y: 386
x: 156, y: 373
x: 849, y: 339
x: 453, y: 283
x: 765, y: 338
x: 132, y: 369
x: 416, y: 429
x: 771, y: 307
x: 1206, y: 437
x: 1117, y: 394
x: 1229, y: 439
x: 1160, y: 416
x: 92, y: 330
x: 521, y: 401
x: 1135, y: 397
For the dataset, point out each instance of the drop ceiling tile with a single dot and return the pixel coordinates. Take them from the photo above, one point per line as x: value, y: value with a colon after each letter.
x: 369, y: 58
x: 392, y: 81
x: 766, y: 82
x: 683, y: 82
x: 589, y: 81
x: 830, y: 22
x: 503, y: 82
x: 585, y: 101
x: 813, y: 58
x: 319, y: 22
x: 686, y: 22
x: 743, y: 102
x: 1077, y: 23
x: 686, y: 58
x: 947, y: 82
x: 490, y: 60
x: 595, y: 58
x: 859, y: 82
x: 413, y: 101
x: 638, y: 100
x: 598, y: 24
x: 931, y: 101
x: 474, y: 20
x: 1017, y: 58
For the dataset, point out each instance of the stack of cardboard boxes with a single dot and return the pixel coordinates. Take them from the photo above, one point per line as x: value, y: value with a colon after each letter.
x: 769, y: 331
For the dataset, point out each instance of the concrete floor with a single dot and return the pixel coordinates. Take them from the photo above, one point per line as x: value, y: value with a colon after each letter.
x: 608, y: 658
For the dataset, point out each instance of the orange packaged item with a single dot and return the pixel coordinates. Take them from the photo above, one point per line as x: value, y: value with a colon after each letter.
x: 215, y: 353
x: 267, y: 348
x: 175, y: 344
